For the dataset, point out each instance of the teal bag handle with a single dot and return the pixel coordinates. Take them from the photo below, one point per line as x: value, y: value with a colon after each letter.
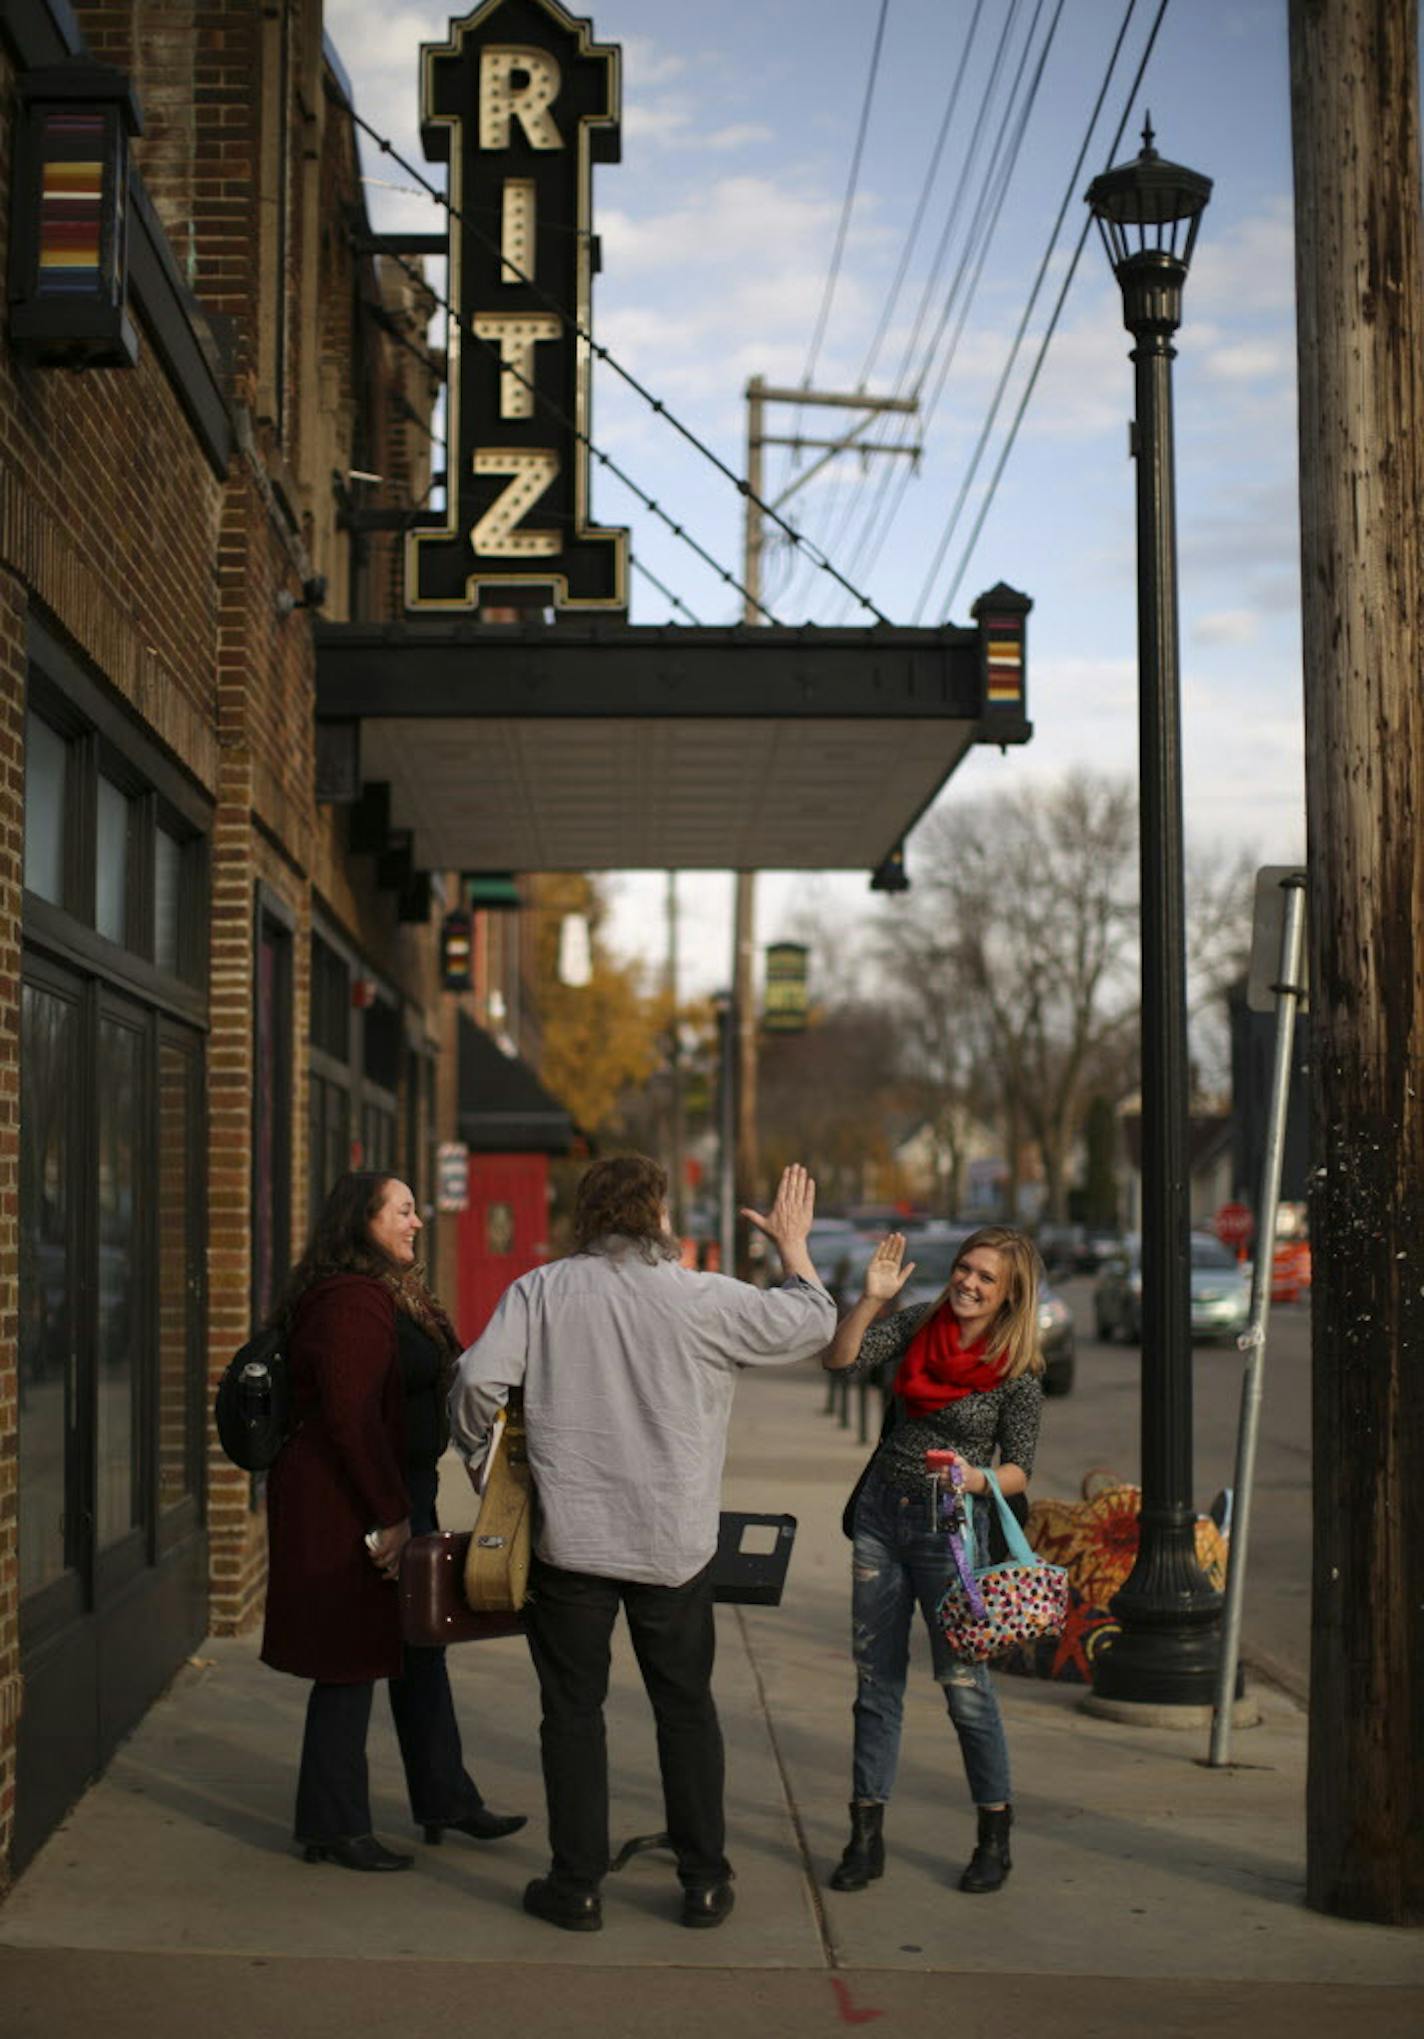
x: 1019, y: 1545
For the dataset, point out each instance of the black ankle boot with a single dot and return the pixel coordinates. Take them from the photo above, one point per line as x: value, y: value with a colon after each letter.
x: 864, y: 1858
x: 990, y: 1862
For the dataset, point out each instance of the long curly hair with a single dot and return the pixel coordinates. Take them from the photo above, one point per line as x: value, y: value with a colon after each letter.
x: 624, y: 1196
x: 341, y: 1243
x: 1013, y: 1336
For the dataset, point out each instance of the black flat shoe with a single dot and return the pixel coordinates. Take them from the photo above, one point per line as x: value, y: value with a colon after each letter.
x: 707, y: 1904
x: 577, y: 1911
x: 364, y: 1852
x: 483, y: 1825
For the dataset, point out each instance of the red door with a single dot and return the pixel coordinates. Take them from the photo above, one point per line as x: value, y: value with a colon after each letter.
x: 503, y: 1232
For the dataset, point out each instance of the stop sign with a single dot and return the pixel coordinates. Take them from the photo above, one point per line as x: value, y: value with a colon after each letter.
x: 1234, y: 1224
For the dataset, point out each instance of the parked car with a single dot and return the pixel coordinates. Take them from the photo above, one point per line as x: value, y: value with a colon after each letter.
x: 1220, y: 1291
x: 1094, y: 1248
x: 1056, y: 1342
x: 830, y: 1243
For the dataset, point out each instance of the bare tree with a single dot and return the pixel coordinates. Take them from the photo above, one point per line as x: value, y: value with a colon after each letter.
x: 1033, y: 903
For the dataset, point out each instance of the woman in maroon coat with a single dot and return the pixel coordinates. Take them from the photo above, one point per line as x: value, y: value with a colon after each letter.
x: 371, y: 1353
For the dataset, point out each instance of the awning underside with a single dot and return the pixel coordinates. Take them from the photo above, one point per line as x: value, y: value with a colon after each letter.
x: 684, y: 794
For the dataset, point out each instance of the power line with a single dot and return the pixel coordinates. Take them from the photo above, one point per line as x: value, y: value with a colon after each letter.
x: 848, y: 202
x: 973, y: 468
x: 1052, y: 327
x: 1003, y: 162
x: 932, y: 279
x: 601, y: 353
x: 887, y: 311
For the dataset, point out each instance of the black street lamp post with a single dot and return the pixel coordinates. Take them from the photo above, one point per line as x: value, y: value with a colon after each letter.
x: 1148, y: 212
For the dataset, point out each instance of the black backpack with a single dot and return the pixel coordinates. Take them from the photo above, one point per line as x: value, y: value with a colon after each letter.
x: 254, y: 1402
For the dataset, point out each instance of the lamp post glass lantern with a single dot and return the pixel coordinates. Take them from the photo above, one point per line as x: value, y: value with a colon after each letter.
x: 1148, y: 212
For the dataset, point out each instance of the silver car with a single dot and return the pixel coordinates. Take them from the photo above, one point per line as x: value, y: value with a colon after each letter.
x: 1220, y: 1291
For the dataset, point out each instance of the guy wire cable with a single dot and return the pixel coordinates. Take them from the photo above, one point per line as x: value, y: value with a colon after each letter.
x: 648, y: 575
x: 467, y: 328
x: 973, y: 257
x: 888, y: 426
x: 972, y: 471
x: 1052, y: 326
x: 603, y: 354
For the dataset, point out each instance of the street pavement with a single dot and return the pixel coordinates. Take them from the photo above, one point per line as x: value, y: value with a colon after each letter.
x: 1149, y: 1893
x: 1099, y: 1425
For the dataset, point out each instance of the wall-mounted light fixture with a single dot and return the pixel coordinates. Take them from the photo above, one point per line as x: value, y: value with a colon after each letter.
x: 69, y: 238
x: 312, y: 596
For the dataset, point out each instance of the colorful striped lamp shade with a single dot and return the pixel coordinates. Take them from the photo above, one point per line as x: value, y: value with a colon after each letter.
x: 69, y: 249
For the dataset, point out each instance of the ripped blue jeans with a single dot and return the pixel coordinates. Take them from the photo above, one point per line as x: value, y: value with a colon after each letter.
x: 896, y: 1562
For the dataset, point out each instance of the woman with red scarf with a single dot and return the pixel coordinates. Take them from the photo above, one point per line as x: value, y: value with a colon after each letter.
x: 967, y: 1382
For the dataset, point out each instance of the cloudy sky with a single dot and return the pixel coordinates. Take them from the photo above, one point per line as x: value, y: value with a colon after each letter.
x: 718, y: 229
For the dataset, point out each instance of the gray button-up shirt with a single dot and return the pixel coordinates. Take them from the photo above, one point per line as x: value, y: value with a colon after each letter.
x: 628, y: 1368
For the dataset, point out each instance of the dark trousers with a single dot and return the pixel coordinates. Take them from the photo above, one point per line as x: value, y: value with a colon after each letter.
x: 333, y: 1796
x: 571, y: 1619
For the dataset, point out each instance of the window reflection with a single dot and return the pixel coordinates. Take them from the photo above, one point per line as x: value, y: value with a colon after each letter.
x: 117, y: 1496
x: 177, y: 1287
x: 47, y: 1080
x: 167, y: 875
x: 46, y: 763
x: 111, y: 876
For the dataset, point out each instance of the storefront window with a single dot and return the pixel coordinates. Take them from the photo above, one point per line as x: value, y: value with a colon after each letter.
x: 46, y: 809
x: 111, y: 875
x: 167, y: 900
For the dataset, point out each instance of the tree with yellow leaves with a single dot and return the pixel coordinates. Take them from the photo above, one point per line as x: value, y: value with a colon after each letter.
x: 600, y: 1038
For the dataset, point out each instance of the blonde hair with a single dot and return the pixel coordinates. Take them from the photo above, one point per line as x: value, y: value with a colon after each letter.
x: 1013, y: 1335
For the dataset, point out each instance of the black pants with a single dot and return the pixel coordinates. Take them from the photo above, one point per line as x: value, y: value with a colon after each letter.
x: 333, y: 1797
x: 674, y: 1636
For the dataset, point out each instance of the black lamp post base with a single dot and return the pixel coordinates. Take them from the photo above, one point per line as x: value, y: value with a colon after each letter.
x: 1166, y: 1663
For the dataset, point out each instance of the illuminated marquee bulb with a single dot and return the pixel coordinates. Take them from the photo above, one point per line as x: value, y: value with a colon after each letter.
x: 517, y: 243
x: 534, y: 470
x: 518, y: 334
x: 528, y: 102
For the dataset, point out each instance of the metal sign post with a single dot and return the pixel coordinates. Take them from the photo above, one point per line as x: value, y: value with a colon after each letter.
x: 1280, y: 904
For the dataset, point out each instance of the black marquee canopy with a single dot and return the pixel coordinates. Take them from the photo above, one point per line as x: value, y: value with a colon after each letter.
x: 598, y: 746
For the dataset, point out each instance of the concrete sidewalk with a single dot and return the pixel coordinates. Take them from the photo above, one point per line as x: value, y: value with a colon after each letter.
x: 1148, y: 1890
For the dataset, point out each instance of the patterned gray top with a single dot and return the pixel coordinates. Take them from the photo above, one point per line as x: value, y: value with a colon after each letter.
x: 1006, y: 1417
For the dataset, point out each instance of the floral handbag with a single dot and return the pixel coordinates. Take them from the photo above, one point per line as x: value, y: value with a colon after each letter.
x: 984, y: 1613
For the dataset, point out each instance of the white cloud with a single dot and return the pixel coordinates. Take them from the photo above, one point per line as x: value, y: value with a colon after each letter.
x: 1253, y: 361
x: 1227, y: 626
x: 739, y: 136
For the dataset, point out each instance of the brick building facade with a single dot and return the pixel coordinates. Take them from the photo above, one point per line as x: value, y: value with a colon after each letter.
x: 209, y: 1001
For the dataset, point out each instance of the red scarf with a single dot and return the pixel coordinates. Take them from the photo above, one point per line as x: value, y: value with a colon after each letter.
x: 938, y: 1368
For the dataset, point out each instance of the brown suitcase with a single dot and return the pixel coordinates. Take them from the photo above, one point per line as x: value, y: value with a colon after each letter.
x: 433, y: 1609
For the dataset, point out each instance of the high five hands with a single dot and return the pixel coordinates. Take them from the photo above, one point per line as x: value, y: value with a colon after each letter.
x: 788, y: 1222
x: 884, y: 1275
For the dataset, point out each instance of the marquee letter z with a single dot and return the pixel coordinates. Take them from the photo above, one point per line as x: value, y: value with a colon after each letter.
x: 532, y: 471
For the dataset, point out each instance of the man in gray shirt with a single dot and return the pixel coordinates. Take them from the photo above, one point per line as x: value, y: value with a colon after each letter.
x: 627, y: 1363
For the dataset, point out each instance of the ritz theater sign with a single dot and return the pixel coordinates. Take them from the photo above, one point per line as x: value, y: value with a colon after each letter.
x: 520, y: 102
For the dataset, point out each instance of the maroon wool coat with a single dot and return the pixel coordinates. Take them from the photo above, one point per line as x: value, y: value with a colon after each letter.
x: 330, y: 1614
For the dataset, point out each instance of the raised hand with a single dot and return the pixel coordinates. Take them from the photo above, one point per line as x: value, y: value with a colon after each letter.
x: 788, y: 1222
x: 884, y: 1274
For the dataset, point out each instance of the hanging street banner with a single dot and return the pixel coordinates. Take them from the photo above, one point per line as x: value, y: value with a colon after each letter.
x: 784, y: 1010
x: 520, y: 102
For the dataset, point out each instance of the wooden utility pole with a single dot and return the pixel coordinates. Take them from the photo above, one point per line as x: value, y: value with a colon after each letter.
x: 1355, y: 117
x: 744, y: 932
